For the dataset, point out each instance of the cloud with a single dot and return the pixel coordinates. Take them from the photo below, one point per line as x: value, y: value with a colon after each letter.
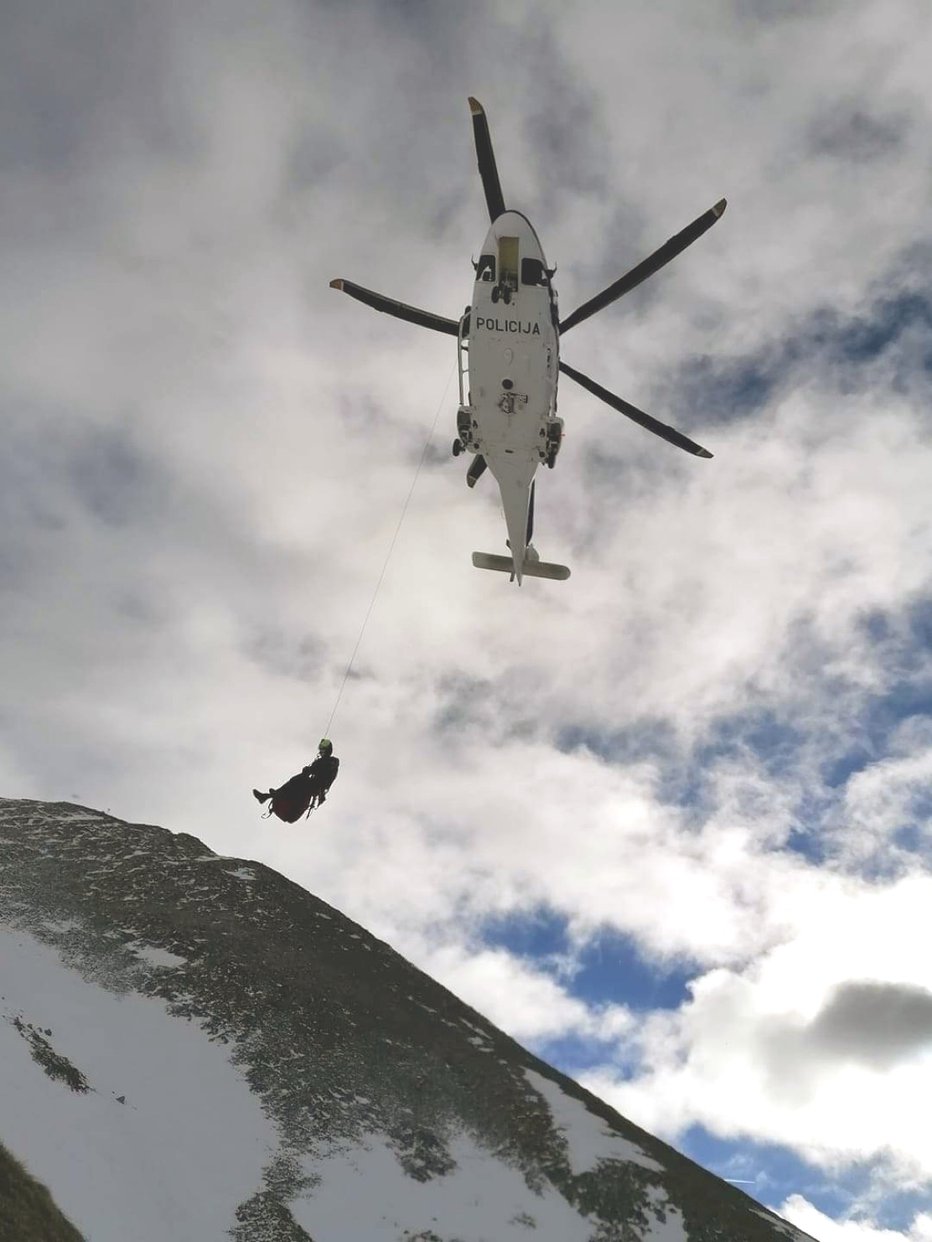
x: 876, y: 1023
x: 823, y: 1037
x: 519, y: 998
x: 808, y: 1218
x: 886, y: 809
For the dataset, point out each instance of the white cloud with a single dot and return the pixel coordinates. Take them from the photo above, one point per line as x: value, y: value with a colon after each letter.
x: 519, y: 998
x: 741, y: 1057
x: 888, y: 795
x: 805, y: 1216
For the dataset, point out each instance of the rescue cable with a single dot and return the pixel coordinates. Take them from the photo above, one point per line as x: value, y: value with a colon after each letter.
x: 391, y: 548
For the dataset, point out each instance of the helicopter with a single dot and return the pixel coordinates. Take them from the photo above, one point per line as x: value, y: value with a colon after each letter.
x: 508, y: 354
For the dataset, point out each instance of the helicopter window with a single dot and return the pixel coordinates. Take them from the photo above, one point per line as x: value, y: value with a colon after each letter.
x: 486, y: 268
x: 532, y: 272
x: 508, y: 261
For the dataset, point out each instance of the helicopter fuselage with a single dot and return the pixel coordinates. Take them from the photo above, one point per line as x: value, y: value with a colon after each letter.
x: 510, y: 417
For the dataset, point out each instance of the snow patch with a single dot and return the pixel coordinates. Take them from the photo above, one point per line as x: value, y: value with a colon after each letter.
x: 168, y: 1139
x: 157, y: 957
x: 62, y: 926
x: 588, y: 1138
x: 776, y: 1222
x: 667, y: 1224
x: 365, y: 1195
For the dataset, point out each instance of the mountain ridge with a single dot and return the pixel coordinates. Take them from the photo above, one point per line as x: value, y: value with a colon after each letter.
x: 353, y: 1054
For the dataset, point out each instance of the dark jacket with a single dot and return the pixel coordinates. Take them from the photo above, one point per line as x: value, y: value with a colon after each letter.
x: 324, y: 770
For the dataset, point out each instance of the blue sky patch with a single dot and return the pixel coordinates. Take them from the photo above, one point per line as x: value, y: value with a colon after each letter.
x: 765, y: 1171
x: 610, y: 969
x: 613, y: 968
x: 726, y: 389
x: 771, y: 1173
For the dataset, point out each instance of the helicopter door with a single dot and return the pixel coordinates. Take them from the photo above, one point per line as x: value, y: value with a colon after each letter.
x: 507, y: 268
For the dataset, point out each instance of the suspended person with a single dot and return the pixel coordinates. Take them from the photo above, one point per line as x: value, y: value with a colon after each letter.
x: 307, y: 790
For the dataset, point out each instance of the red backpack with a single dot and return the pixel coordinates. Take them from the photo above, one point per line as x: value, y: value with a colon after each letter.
x: 293, y: 799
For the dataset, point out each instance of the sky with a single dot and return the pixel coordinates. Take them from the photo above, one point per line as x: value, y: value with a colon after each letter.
x: 668, y: 822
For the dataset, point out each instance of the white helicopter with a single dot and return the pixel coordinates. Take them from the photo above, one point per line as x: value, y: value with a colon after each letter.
x: 508, y: 346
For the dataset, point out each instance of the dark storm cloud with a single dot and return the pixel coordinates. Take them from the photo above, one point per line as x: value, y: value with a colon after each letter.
x: 877, y: 1024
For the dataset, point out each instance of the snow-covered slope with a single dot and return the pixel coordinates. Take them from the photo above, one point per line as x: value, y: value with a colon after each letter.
x: 194, y: 1048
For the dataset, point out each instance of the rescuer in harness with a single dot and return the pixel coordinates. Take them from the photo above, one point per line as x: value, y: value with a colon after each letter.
x: 305, y: 791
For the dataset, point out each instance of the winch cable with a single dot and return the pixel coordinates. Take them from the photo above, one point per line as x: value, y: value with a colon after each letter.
x: 391, y: 548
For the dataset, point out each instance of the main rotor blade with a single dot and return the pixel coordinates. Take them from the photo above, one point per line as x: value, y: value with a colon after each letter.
x: 486, y: 156
x: 669, y: 250
x: 401, y: 310
x: 670, y: 434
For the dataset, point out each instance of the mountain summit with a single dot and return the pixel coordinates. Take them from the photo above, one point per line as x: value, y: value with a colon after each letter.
x: 193, y: 1048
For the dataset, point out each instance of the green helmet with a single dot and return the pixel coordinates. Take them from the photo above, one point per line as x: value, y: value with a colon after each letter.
x: 325, y: 745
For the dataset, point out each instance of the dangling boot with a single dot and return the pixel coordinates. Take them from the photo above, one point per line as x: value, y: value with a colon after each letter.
x: 261, y: 797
